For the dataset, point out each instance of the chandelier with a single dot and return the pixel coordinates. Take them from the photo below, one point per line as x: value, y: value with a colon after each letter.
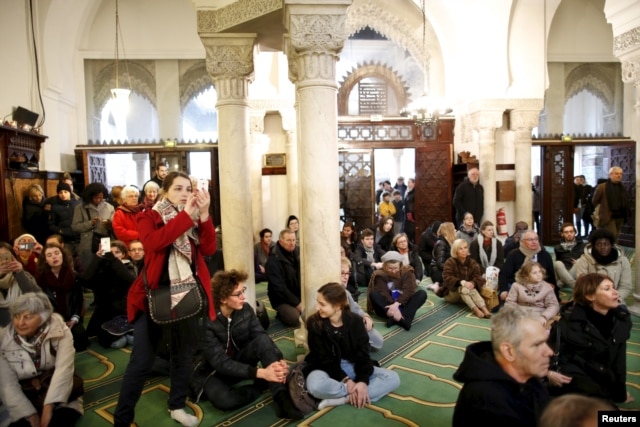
x: 425, y: 110
x: 120, y: 94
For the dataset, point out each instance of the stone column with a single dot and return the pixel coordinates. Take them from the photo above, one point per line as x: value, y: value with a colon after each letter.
x: 230, y: 64
x: 316, y: 37
x: 289, y: 126
x: 142, y: 166
x: 257, y: 152
x: 486, y: 122
x: 631, y: 74
x: 522, y: 122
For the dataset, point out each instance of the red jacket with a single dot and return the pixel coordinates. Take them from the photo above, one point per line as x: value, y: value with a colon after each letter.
x: 125, y: 225
x: 156, y: 237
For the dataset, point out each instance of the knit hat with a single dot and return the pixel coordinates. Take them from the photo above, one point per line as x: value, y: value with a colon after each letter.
x: 391, y: 256
x: 63, y: 186
x: 24, y: 236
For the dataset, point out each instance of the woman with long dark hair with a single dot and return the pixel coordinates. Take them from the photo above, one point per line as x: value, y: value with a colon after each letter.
x: 339, y: 367
x: 177, y: 233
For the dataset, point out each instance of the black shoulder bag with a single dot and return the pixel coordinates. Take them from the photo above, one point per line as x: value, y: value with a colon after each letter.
x: 159, y: 299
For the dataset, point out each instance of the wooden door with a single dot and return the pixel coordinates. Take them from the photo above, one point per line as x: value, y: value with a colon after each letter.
x: 624, y: 155
x: 557, y: 191
x: 433, y: 191
x: 356, y: 186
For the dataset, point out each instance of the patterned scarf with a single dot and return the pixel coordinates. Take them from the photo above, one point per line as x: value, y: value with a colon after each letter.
x: 486, y: 261
x: 180, y: 254
x: 33, y: 345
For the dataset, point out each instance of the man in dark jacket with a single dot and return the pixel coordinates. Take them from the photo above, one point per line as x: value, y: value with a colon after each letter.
x: 283, y: 277
x: 233, y: 345
x: 469, y: 197
x: 61, y: 215
x: 502, y: 377
x: 366, y: 258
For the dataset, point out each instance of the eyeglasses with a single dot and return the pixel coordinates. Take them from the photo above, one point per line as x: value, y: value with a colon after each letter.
x: 531, y: 239
x: 344, y: 273
x: 238, y: 294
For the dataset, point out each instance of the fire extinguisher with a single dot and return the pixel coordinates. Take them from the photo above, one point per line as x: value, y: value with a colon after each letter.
x: 502, y: 222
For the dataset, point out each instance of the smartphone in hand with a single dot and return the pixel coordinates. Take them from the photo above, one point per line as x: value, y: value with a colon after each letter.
x: 203, y: 184
x: 105, y: 244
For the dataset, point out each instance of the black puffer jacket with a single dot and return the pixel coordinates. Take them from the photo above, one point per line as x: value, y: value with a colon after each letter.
x: 221, y: 334
x: 597, y: 363
x: 441, y: 253
x: 61, y: 217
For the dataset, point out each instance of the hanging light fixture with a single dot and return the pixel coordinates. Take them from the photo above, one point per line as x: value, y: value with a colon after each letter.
x: 119, y: 94
x: 425, y: 110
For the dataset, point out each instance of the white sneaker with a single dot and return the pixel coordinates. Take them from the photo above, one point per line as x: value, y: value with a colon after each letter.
x: 183, y: 418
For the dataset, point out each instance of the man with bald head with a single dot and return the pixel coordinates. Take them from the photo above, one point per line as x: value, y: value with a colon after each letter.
x: 469, y: 197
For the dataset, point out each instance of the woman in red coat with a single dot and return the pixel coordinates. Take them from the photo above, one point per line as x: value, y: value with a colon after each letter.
x: 177, y: 233
x: 124, y: 221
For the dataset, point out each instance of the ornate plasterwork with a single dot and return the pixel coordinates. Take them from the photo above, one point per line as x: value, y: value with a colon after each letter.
x: 524, y: 121
x: 394, y: 28
x: 142, y: 80
x: 218, y: 20
x: 596, y: 78
x: 631, y: 71
x: 317, y: 33
x: 193, y: 82
x: 382, y: 71
x: 229, y: 60
x: 626, y: 42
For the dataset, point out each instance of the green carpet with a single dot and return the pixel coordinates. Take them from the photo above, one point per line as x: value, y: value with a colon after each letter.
x: 425, y: 358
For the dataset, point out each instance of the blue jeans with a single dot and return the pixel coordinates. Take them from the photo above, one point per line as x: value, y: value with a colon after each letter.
x: 381, y: 383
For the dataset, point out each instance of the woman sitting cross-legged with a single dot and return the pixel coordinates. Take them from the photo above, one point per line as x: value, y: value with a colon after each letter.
x: 38, y: 345
x: 463, y: 278
x: 393, y: 292
x: 339, y: 369
x: 230, y: 350
x: 593, y: 332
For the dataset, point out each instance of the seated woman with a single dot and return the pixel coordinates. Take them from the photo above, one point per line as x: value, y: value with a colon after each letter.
x: 530, y: 290
x: 109, y: 275
x: 14, y: 281
x: 57, y: 279
x: 591, y: 342
x: 602, y: 255
x: 463, y: 279
x: 124, y: 219
x: 468, y: 229
x: 348, y: 238
x: 150, y: 192
x: 407, y: 250
x: 233, y: 345
x: 427, y: 241
x: 375, y: 338
x: 393, y: 292
x: 339, y: 369
x: 441, y: 253
x: 383, y: 233
x: 486, y: 249
x: 36, y: 344
x: 27, y: 249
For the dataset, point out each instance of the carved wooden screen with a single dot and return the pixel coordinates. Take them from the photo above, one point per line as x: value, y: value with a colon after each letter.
x: 95, y: 169
x: 624, y: 155
x: 433, y: 193
x: 557, y: 191
x: 356, y: 186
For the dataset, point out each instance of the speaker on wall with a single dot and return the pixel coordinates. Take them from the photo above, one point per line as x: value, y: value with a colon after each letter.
x: 22, y: 116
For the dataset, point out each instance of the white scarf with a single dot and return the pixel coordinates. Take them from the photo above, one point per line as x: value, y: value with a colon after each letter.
x: 486, y: 262
x: 180, y: 255
x: 9, y: 283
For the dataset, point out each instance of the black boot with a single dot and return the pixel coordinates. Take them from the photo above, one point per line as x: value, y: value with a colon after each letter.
x: 285, y: 407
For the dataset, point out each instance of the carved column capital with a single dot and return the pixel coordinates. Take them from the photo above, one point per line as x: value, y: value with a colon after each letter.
x: 524, y: 120
x: 486, y: 120
x: 229, y: 62
x: 316, y: 35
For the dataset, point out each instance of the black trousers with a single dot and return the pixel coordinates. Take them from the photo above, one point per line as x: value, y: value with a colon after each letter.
x: 220, y: 390
x: 379, y: 303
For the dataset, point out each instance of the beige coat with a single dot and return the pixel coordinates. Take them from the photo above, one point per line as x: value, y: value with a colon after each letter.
x: 16, y: 365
